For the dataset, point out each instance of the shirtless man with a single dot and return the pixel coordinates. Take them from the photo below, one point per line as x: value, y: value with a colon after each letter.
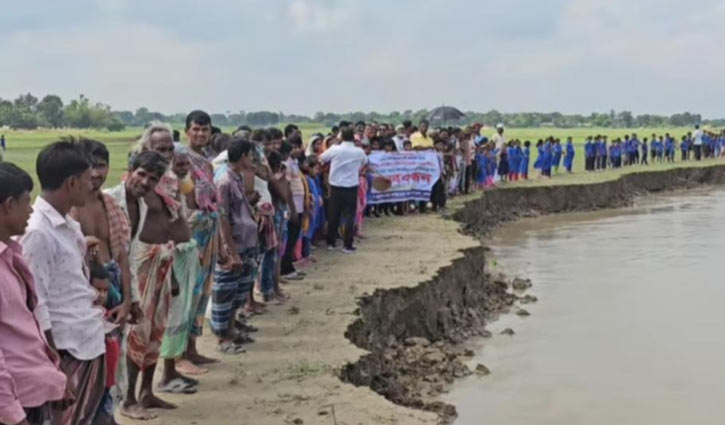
x: 105, y: 220
x: 160, y: 230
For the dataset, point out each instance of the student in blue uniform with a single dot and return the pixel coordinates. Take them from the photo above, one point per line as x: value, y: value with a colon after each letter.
x: 569, y: 155
x: 589, y: 154
x: 653, y: 147
x: 547, y: 158
x: 481, y: 166
x: 634, y: 149
x: 525, y: 157
x: 539, y: 154
x: 645, y: 152
x: 558, y: 151
x: 616, y: 153
x: 514, y: 160
x: 684, y: 147
x: 598, y: 153
x: 603, y: 154
x: 660, y: 149
x: 669, y: 150
x: 503, y: 164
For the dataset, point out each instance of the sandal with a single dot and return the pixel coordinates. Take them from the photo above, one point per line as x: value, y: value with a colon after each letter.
x: 243, y: 339
x: 230, y: 347
x: 176, y: 386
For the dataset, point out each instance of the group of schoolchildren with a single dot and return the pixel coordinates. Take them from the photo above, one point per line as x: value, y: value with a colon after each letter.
x: 511, y: 162
x: 631, y: 151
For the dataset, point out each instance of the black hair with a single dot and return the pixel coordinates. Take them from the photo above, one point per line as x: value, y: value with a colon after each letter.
x: 95, y: 149
x: 360, y: 123
x: 527, y: 143
x: 243, y: 128
x: 334, y: 129
x: 198, y: 117
x: 97, y: 271
x: 344, y: 124
x: 295, y: 140
x: 220, y: 142
x: 13, y: 181
x: 259, y: 135
x: 407, y: 142
x: 275, y: 160
x: 150, y: 161
x: 176, y: 135
x: 215, y: 130
x: 286, y: 148
x: 238, y: 148
x: 348, y: 134
x: 290, y: 129
x: 407, y: 124
x: 311, y: 161
x: 59, y: 161
x: 423, y: 122
x: 275, y: 133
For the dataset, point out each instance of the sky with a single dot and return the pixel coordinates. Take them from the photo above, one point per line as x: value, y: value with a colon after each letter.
x: 304, y: 56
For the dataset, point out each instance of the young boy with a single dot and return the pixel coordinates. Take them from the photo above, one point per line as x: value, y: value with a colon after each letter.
x: 558, y: 153
x: 589, y: 154
x: 99, y: 280
x: 481, y: 167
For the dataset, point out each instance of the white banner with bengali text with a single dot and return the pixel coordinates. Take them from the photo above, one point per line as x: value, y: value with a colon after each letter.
x: 409, y: 176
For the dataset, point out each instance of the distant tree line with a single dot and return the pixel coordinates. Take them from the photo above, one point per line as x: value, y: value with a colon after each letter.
x: 29, y: 112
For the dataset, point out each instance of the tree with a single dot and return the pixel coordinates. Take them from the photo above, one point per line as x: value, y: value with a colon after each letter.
x: 50, y: 110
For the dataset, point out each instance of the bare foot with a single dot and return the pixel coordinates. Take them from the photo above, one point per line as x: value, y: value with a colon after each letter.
x: 198, y: 359
x: 188, y: 368
x: 254, y: 309
x: 136, y: 412
x: 150, y: 401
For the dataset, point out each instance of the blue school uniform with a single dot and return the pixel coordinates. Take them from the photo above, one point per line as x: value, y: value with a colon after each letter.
x: 558, y: 151
x: 524, y: 166
x: 514, y: 160
x: 482, y: 168
x: 569, y: 157
x: 539, y: 157
x: 546, y: 159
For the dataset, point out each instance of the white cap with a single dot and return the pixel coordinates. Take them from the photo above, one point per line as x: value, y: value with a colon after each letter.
x: 499, y: 126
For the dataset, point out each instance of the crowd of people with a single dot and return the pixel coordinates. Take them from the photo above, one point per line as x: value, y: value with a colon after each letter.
x: 102, y: 285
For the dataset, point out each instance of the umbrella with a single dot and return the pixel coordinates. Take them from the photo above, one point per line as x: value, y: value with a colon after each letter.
x: 445, y: 114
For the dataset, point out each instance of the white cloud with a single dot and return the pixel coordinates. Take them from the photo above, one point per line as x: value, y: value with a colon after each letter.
x: 318, y: 16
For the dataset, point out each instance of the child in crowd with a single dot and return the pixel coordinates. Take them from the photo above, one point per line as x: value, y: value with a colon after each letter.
x: 314, y: 220
x: 503, y: 164
x: 645, y: 152
x: 558, y: 152
x: 589, y: 154
x: 407, y: 145
x: 660, y: 149
x: 481, y: 166
x: 514, y: 161
x: 547, y: 158
x: 684, y: 148
x: 539, y: 154
x: 525, y: 157
x: 99, y: 280
x: 569, y: 155
x: 669, y: 149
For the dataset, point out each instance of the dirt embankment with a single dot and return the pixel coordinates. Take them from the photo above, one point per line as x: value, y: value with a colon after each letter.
x: 413, y: 334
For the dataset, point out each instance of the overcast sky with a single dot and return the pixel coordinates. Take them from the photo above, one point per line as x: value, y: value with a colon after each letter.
x: 303, y: 56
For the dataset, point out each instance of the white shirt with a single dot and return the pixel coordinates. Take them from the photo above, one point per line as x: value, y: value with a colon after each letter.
x: 346, y: 161
x: 399, y: 142
x: 54, y: 248
x: 697, y: 137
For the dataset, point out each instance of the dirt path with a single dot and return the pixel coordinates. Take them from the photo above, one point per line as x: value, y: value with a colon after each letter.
x: 289, y: 374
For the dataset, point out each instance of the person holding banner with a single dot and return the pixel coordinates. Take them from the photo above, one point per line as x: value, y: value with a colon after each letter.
x: 346, y: 160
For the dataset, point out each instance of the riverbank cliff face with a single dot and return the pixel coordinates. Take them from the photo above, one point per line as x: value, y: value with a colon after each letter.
x: 414, y: 335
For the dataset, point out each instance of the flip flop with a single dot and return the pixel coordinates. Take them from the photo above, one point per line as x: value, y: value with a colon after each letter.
x: 243, y: 339
x: 176, y: 386
x: 231, y: 348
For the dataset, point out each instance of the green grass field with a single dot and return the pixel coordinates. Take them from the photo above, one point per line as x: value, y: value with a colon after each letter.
x: 23, y: 147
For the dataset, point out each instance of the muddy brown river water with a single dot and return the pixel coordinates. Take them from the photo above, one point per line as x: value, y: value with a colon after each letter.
x: 629, y: 327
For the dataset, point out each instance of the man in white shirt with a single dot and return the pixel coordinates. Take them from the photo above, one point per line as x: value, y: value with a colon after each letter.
x: 346, y: 160
x: 697, y: 142
x: 55, y: 250
x: 499, y: 139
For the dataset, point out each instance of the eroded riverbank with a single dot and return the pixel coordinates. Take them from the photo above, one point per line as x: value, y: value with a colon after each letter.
x: 403, y: 370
